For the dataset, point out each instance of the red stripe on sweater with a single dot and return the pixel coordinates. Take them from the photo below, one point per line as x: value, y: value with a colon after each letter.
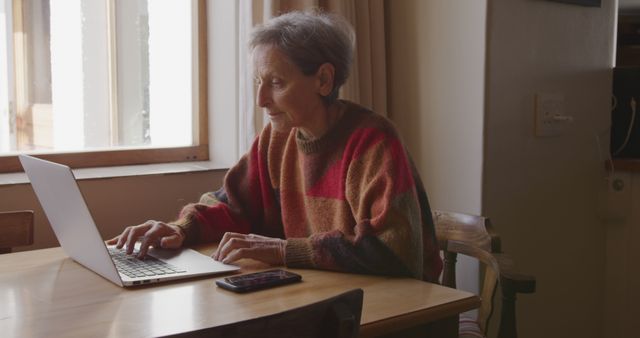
x: 331, y: 185
x: 260, y: 164
x: 404, y: 175
x: 225, y: 221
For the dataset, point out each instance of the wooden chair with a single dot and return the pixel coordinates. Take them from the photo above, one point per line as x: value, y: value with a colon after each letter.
x: 336, y: 317
x: 473, y: 236
x: 16, y: 229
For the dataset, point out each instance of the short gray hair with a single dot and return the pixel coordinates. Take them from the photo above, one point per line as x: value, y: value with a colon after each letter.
x: 311, y: 39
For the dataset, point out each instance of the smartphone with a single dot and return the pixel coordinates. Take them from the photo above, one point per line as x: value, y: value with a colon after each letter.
x: 258, y: 280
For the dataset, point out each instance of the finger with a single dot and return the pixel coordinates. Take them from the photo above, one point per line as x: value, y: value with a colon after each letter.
x: 135, y: 233
x: 123, y: 237
x: 225, y: 238
x: 264, y: 254
x: 112, y: 241
x: 231, y: 245
x: 130, y: 242
x: 171, y: 242
x: 153, y: 237
x: 256, y: 236
x: 236, y: 255
x: 161, y: 235
x: 145, y: 243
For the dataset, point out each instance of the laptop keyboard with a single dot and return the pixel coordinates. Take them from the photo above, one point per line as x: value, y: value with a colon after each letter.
x: 133, y: 267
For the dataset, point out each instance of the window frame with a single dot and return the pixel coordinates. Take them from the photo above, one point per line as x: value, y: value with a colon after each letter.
x: 131, y: 156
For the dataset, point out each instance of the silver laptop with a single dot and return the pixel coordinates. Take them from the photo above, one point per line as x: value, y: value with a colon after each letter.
x: 62, y: 201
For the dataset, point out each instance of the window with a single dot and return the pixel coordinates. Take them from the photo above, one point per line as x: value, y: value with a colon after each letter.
x: 103, y: 82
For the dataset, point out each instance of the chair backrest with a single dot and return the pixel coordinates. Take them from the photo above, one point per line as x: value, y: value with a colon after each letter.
x: 16, y: 229
x: 474, y: 236
x: 336, y: 317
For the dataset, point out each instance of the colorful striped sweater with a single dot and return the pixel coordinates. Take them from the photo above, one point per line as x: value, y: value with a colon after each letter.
x: 350, y: 201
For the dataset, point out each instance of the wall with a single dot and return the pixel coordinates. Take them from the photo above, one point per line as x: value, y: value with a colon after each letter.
x: 542, y: 192
x: 436, y: 88
x: 622, y: 275
x: 436, y: 53
x: 629, y: 4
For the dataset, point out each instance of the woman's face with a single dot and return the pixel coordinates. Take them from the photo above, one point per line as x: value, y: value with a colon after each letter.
x: 288, y: 97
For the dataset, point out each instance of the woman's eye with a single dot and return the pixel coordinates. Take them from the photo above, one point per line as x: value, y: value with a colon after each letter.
x: 276, y: 82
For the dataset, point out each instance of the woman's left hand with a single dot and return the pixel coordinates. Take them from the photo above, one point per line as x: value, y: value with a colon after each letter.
x: 235, y: 246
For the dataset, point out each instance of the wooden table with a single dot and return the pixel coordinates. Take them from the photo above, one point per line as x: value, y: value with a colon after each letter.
x: 45, y: 293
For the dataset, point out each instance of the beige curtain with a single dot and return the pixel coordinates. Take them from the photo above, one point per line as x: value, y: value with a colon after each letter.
x: 366, y: 84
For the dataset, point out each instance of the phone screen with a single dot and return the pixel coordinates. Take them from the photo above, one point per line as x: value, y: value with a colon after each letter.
x: 258, y: 280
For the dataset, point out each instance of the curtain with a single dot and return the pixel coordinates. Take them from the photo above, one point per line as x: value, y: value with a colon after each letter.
x: 367, y: 82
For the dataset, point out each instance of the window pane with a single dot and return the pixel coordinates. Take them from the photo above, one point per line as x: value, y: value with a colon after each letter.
x: 102, y: 74
x: 170, y: 71
x: 154, y: 72
x: 7, y: 132
x: 132, y: 32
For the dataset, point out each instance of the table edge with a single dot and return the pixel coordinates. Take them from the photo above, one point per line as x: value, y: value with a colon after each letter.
x: 381, y: 327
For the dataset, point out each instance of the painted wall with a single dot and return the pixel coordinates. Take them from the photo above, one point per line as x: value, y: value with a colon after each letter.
x: 436, y: 56
x: 629, y: 4
x: 542, y: 192
x: 436, y: 94
x: 622, y: 275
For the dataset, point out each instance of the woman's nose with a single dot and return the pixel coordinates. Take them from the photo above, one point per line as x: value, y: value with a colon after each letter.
x: 264, y: 96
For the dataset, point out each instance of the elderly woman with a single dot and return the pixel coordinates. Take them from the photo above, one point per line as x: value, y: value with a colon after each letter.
x: 326, y: 185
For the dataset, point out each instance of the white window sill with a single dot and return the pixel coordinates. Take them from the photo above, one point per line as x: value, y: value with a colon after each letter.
x: 124, y: 171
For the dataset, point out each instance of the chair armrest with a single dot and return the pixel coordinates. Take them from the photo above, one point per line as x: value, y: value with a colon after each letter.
x: 510, y: 278
x: 511, y: 281
x: 472, y: 251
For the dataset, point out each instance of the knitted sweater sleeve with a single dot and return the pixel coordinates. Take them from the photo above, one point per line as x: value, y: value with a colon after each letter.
x: 389, y: 235
x: 244, y: 204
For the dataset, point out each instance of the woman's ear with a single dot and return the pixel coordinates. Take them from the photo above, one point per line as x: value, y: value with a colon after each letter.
x: 325, y: 76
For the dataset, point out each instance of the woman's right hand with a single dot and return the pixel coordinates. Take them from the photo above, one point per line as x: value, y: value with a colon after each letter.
x: 150, y: 233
